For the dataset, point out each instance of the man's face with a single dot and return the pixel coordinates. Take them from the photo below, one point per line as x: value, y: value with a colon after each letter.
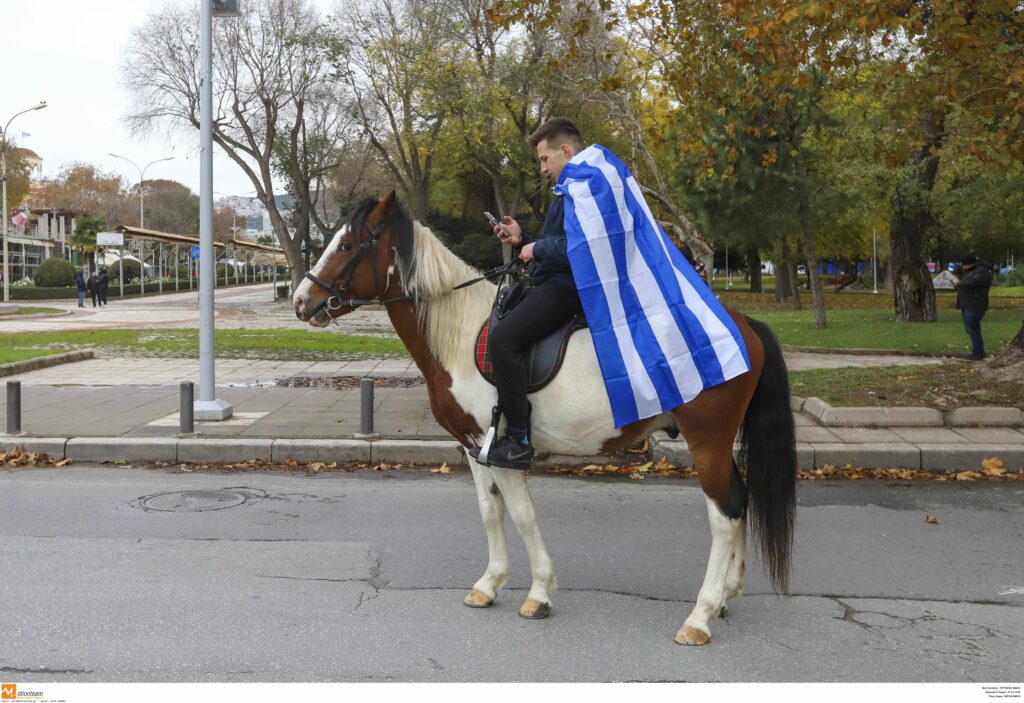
x: 553, y: 159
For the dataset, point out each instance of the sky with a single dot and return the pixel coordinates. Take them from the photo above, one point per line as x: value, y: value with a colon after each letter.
x: 69, y: 53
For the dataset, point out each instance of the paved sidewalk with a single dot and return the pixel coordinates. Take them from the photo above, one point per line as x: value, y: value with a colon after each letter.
x: 110, y: 409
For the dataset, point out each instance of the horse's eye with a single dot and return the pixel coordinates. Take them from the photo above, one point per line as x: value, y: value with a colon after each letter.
x: 346, y: 246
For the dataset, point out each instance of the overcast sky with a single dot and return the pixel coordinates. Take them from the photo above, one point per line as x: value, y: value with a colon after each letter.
x: 68, y: 53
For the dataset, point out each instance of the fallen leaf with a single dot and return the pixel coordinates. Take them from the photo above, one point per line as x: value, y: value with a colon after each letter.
x: 639, y: 450
x: 645, y: 467
x: 63, y: 462
x: 933, y: 520
x: 442, y: 469
x: 637, y: 477
x: 992, y: 467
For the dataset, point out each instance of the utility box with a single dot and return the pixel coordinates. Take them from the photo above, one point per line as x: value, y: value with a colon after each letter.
x: 226, y: 8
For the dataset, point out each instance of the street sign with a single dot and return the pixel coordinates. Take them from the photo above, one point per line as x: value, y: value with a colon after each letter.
x: 109, y: 239
x: 194, y: 252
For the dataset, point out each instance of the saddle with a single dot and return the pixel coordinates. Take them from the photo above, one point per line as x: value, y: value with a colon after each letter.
x: 544, y: 359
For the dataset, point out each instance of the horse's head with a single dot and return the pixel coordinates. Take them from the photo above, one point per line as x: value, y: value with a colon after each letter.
x: 359, y: 266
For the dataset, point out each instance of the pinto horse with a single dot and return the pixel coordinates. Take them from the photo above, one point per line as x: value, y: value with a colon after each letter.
x: 384, y: 257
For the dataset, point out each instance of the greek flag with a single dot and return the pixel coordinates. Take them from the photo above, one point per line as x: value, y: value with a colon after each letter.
x: 661, y: 335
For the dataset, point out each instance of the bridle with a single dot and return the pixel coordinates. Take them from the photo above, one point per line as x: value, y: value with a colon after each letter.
x: 336, y: 302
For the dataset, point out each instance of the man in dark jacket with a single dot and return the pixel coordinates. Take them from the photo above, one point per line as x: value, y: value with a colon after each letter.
x: 972, y: 301
x: 552, y: 302
x: 104, y: 284
x: 80, y: 285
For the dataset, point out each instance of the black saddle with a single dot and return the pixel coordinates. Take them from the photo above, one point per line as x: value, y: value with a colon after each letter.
x: 544, y: 358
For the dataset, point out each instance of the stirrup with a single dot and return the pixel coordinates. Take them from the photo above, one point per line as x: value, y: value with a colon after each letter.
x: 492, y: 431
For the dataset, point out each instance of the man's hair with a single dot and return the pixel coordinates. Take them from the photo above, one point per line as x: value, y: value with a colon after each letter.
x: 556, y: 132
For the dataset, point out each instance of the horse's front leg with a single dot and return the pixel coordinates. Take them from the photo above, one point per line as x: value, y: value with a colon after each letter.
x: 492, y: 510
x: 512, y: 485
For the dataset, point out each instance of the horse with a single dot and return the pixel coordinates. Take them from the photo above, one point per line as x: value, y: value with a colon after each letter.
x: 383, y: 257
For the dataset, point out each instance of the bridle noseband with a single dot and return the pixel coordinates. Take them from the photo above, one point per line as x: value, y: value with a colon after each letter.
x: 336, y: 302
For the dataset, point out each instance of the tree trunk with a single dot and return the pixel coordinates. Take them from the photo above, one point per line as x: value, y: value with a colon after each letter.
x: 788, y: 260
x: 754, y: 266
x: 1017, y: 343
x: 812, y: 265
x: 913, y: 293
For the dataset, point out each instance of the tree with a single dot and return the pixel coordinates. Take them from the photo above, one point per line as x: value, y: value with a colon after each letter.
x: 264, y: 67
x: 84, y: 237
x: 86, y: 189
x: 171, y: 207
x: 18, y: 175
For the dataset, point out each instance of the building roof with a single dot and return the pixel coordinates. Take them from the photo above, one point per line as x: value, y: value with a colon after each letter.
x: 190, y: 240
x: 27, y: 153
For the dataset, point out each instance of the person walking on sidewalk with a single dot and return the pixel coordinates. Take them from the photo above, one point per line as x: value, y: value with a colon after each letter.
x: 972, y: 301
x: 80, y: 284
x: 93, y: 286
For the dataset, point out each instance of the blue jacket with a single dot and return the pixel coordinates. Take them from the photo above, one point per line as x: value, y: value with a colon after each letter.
x: 549, y: 248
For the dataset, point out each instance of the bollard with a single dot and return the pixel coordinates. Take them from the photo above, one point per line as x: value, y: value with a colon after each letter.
x: 186, y: 424
x: 13, y: 407
x: 366, y: 406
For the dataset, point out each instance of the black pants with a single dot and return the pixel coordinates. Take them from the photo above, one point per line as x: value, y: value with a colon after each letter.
x: 541, y: 312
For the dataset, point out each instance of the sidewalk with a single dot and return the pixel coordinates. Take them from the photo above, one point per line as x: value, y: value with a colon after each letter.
x: 127, y: 409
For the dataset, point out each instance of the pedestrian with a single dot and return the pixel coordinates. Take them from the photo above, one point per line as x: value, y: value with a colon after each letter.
x: 80, y: 284
x: 972, y: 300
x: 93, y: 286
x: 104, y: 284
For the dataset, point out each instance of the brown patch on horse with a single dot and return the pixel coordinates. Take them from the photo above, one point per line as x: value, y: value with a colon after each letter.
x: 710, y: 422
x: 446, y: 410
x: 632, y: 434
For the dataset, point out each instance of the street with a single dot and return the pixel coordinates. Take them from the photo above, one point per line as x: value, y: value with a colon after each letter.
x: 360, y: 577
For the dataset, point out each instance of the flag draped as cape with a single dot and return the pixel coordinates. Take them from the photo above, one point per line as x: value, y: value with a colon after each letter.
x: 661, y: 335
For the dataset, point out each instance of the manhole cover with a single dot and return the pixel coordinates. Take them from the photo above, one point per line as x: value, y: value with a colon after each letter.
x: 193, y: 501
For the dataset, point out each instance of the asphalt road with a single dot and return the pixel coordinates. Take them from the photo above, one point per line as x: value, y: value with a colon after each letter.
x: 360, y: 577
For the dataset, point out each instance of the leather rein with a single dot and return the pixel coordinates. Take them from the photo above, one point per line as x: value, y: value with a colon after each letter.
x: 336, y: 302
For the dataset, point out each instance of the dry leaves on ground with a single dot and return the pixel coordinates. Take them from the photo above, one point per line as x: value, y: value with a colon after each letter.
x: 442, y: 469
x: 931, y: 519
x: 18, y: 457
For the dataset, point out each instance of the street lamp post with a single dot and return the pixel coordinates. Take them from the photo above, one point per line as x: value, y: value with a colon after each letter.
x: 142, y: 180
x: 3, y: 175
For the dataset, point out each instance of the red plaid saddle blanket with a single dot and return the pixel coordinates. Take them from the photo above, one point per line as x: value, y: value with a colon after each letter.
x: 544, y: 358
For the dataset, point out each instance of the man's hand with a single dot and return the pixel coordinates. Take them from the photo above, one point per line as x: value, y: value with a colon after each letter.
x: 509, y: 232
x: 526, y: 253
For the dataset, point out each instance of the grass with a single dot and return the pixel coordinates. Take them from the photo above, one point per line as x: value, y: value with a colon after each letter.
x: 945, y: 386
x: 867, y: 321
x: 232, y: 344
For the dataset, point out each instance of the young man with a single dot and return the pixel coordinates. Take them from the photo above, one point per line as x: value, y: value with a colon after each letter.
x: 972, y: 301
x: 551, y: 303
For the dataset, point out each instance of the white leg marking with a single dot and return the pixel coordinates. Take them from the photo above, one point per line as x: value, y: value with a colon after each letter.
x: 492, y: 510
x: 736, y: 576
x: 512, y: 485
x: 712, y: 594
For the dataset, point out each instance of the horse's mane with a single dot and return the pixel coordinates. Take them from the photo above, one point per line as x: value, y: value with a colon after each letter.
x: 429, y: 272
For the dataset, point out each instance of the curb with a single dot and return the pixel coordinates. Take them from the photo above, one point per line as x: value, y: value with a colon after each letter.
x: 42, y: 362
x: 868, y: 352
x: 810, y: 455
x: 881, y: 416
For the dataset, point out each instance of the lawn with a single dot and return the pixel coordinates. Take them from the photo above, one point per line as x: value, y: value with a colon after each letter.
x: 867, y: 321
x: 236, y: 344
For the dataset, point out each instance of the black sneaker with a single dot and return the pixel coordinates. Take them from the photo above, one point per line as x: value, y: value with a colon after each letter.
x: 974, y: 357
x: 507, y: 453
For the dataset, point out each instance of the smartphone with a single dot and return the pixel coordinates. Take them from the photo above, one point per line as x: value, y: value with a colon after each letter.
x: 494, y: 223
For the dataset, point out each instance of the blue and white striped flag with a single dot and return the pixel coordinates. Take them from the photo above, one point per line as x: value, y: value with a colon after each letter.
x: 661, y: 335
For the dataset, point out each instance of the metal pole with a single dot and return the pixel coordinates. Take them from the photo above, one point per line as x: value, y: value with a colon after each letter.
x: 366, y: 406
x: 120, y: 269
x: 13, y: 407
x: 186, y: 424
x: 142, y: 268
x: 208, y: 407
x: 160, y: 268
x: 177, y: 263
x: 6, y: 275
x: 874, y: 257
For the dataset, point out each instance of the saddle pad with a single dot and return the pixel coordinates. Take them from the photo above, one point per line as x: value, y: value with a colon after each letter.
x: 544, y: 358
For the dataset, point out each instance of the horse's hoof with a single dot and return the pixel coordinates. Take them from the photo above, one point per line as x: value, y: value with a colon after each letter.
x: 478, y: 599
x: 535, y: 610
x: 691, y: 636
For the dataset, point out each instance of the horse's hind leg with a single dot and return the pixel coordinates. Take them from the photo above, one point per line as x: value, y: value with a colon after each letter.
x: 492, y: 510
x: 512, y: 485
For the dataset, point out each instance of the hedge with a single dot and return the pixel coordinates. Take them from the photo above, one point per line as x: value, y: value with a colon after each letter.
x: 37, y: 293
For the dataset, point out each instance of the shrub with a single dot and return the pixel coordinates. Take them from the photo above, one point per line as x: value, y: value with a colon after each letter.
x: 132, y: 269
x: 55, y: 273
x: 1013, y: 278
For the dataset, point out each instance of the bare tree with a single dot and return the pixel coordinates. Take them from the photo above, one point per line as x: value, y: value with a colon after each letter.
x: 268, y: 67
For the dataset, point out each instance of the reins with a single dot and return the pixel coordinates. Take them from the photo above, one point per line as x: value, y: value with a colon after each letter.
x: 336, y: 302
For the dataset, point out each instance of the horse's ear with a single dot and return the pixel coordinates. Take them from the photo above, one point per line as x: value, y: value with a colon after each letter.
x: 388, y: 201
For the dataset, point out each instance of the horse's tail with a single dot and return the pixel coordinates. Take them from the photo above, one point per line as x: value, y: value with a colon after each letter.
x: 768, y: 449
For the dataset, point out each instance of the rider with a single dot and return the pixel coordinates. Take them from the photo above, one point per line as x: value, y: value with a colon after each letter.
x: 551, y: 303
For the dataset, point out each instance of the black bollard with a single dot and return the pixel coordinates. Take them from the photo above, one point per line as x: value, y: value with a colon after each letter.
x: 366, y: 406
x: 13, y: 407
x: 186, y: 424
